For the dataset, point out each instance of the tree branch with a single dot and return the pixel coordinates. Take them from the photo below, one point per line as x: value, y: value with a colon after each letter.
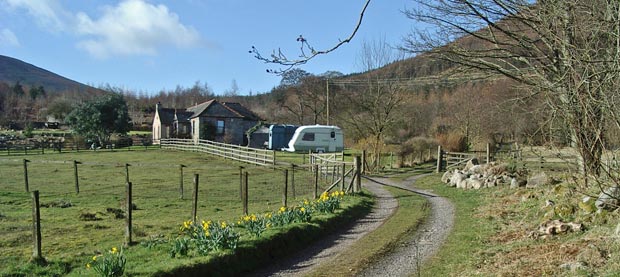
x: 281, y: 59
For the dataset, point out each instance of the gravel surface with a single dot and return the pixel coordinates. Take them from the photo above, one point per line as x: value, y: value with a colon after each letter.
x: 413, y: 251
x: 402, y: 261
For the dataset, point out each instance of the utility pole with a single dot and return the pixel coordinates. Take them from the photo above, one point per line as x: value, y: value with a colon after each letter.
x: 327, y: 101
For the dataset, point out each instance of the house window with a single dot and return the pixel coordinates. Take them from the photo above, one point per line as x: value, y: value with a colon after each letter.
x: 308, y: 137
x: 219, y: 127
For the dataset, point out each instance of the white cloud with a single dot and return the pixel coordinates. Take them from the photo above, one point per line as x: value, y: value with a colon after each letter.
x: 133, y: 27
x: 8, y: 38
x: 47, y: 13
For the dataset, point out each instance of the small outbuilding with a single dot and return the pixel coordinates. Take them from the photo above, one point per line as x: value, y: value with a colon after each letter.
x: 212, y: 120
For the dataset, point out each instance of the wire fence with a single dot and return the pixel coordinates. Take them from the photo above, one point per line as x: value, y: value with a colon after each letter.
x: 84, y: 196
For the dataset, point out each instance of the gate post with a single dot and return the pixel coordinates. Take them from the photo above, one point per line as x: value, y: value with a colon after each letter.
x: 439, y: 159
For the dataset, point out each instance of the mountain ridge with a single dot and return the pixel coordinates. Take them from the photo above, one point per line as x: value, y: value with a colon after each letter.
x: 13, y: 70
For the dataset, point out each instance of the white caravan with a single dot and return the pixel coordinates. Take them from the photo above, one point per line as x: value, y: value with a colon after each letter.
x: 316, y: 138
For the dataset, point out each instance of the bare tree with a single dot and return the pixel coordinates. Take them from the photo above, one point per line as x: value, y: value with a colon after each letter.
x: 307, y: 51
x: 373, y: 103
x: 567, y: 51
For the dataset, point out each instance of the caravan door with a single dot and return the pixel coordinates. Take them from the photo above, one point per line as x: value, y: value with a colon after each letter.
x: 332, y: 141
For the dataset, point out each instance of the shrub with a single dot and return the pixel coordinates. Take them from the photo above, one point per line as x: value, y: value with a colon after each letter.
x: 453, y: 141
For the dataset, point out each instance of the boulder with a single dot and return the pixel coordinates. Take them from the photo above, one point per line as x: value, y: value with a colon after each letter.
x: 471, y: 163
x: 474, y: 183
x: 456, y: 178
x: 446, y: 177
x: 476, y: 169
x: 499, y: 169
x: 608, y: 199
x: 556, y: 227
x: 538, y: 179
x: 516, y: 183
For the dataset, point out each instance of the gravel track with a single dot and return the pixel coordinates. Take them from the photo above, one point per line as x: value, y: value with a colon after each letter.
x: 413, y: 251
x: 401, y: 261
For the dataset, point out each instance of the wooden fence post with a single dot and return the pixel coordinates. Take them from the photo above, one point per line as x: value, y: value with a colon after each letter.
x: 37, y: 257
x: 285, y: 188
x: 344, y: 168
x: 26, y: 175
x: 293, y: 181
x: 363, y: 163
x: 439, y: 159
x: 195, y: 205
x: 316, y: 182
x: 127, y: 173
x: 488, y: 153
x: 359, y: 167
x: 241, y: 183
x: 129, y: 207
x: 181, y: 181
x: 245, y: 193
x: 75, y: 174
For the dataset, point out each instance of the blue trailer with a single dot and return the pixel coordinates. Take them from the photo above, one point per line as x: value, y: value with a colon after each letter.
x: 280, y: 135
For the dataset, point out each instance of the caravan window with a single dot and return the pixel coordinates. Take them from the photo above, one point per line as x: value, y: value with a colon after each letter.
x: 332, y: 134
x: 308, y: 137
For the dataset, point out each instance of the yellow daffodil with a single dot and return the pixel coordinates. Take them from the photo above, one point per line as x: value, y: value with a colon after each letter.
x: 282, y: 209
x: 223, y: 224
x: 94, y: 258
x: 302, y: 209
x: 306, y: 202
x: 114, y: 250
x: 88, y: 266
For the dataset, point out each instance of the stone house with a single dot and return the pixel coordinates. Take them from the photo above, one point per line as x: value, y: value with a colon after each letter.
x: 212, y: 120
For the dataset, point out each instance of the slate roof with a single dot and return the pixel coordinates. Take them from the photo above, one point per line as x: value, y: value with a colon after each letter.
x: 231, y: 109
x: 241, y: 110
x: 166, y: 115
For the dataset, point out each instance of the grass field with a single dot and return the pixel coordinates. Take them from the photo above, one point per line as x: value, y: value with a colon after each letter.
x: 76, y: 226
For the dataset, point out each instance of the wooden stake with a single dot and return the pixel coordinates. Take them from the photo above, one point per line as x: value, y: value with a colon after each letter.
x: 181, y: 181
x: 316, y: 182
x: 37, y: 257
x: 26, y: 175
x: 285, y: 188
x: 245, y: 193
x: 293, y: 181
x: 344, y: 167
x: 439, y: 159
x: 128, y: 232
x: 75, y: 174
x: 127, y: 173
x: 195, y: 205
x: 359, y: 167
x: 241, y: 183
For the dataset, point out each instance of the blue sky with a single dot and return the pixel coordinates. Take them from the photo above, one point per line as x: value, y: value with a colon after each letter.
x: 147, y: 46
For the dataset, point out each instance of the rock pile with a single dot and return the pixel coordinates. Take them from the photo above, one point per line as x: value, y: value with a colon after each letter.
x: 477, y: 176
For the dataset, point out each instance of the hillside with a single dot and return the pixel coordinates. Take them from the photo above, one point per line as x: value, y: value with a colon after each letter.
x: 13, y: 70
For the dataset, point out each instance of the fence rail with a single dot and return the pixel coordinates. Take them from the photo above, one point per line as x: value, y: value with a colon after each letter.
x: 228, y: 151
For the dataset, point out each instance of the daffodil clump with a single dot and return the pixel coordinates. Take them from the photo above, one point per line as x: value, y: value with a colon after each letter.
x: 255, y: 224
x: 111, y: 263
x: 288, y: 215
x: 205, y: 237
x: 328, y: 202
